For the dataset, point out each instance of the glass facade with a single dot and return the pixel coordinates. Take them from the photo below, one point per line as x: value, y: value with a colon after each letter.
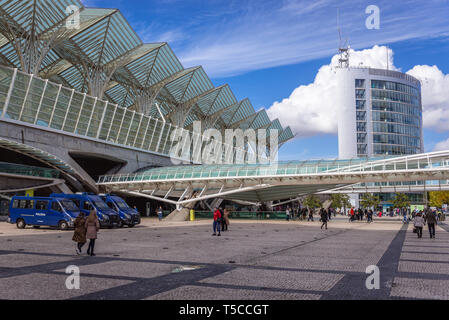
x: 396, y: 118
x: 36, y: 101
x: 360, y: 95
x: 388, y: 115
x: 414, y: 198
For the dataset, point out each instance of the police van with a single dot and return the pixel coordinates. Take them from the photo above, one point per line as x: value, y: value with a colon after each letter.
x: 42, y: 211
x: 128, y: 215
x: 87, y: 201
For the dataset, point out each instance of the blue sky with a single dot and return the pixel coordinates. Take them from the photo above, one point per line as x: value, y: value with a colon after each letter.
x: 266, y: 49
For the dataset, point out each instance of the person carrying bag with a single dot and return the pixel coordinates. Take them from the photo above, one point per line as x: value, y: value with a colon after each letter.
x: 418, y: 223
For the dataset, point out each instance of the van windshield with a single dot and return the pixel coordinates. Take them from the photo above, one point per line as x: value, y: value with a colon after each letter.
x: 98, y: 202
x: 120, y: 203
x: 68, y: 205
x: 100, y: 205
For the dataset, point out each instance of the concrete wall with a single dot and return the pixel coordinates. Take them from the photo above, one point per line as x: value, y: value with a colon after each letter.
x: 60, y: 144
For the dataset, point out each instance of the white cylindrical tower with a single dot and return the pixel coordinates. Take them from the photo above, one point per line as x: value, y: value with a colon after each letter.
x: 347, y: 139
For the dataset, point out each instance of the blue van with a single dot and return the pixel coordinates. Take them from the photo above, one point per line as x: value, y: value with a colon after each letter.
x: 87, y: 201
x: 42, y: 211
x: 128, y: 215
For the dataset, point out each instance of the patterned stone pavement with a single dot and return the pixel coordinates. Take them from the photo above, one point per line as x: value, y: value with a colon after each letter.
x: 253, y: 260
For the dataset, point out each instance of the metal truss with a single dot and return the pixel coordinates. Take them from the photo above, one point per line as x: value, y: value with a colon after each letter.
x: 104, y: 57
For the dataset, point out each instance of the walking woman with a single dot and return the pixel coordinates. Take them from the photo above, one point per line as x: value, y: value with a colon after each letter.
x: 225, y: 220
x: 79, y: 236
x: 92, y: 226
x: 418, y: 222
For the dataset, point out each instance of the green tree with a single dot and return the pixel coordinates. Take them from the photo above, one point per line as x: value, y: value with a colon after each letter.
x: 312, y: 202
x: 438, y: 198
x: 369, y: 200
x: 340, y: 200
x: 401, y: 200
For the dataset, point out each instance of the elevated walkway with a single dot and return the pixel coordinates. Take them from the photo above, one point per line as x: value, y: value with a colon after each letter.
x: 268, y: 182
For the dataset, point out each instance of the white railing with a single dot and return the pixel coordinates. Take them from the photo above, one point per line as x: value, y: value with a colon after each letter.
x: 422, y: 162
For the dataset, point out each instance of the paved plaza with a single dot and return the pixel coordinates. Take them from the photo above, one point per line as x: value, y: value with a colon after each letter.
x: 253, y: 260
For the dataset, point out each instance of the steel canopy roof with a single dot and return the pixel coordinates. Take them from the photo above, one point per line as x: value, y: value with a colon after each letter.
x: 106, y: 43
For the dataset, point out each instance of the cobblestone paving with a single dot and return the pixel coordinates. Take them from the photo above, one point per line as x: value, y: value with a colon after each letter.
x: 253, y: 260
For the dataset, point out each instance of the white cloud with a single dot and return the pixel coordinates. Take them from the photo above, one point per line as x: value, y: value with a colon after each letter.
x: 435, y: 96
x: 442, y: 145
x: 278, y: 33
x: 310, y: 109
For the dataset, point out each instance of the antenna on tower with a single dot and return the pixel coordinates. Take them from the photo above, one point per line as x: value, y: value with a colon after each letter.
x: 343, y: 61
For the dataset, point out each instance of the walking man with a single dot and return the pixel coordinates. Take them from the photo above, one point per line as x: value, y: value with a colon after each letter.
x: 217, y: 219
x: 324, y: 217
x: 431, y: 221
x: 159, y: 213
x: 404, y: 216
x: 310, y: 215
x: 369, y: 215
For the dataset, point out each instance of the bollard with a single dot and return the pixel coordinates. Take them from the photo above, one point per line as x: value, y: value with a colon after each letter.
x: 192, y: 215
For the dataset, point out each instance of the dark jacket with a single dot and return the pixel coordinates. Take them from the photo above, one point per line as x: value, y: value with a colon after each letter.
x: 324, y: 216
x: 430, y: 217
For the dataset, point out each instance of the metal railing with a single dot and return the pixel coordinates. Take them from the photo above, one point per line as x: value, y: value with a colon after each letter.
x: 427, y: 161
x: 28, y: 170
x: 393, y: 186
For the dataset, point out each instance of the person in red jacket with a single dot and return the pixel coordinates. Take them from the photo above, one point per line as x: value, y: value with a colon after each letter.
x: 217, y: 220
x: 351, y: 214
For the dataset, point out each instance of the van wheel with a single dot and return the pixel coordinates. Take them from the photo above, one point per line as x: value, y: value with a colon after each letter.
x: 63, y: 225
x: 21, y: 224
x: 36, y: 227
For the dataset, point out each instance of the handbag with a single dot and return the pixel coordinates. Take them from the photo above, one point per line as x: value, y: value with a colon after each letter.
x: 415, y: 230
